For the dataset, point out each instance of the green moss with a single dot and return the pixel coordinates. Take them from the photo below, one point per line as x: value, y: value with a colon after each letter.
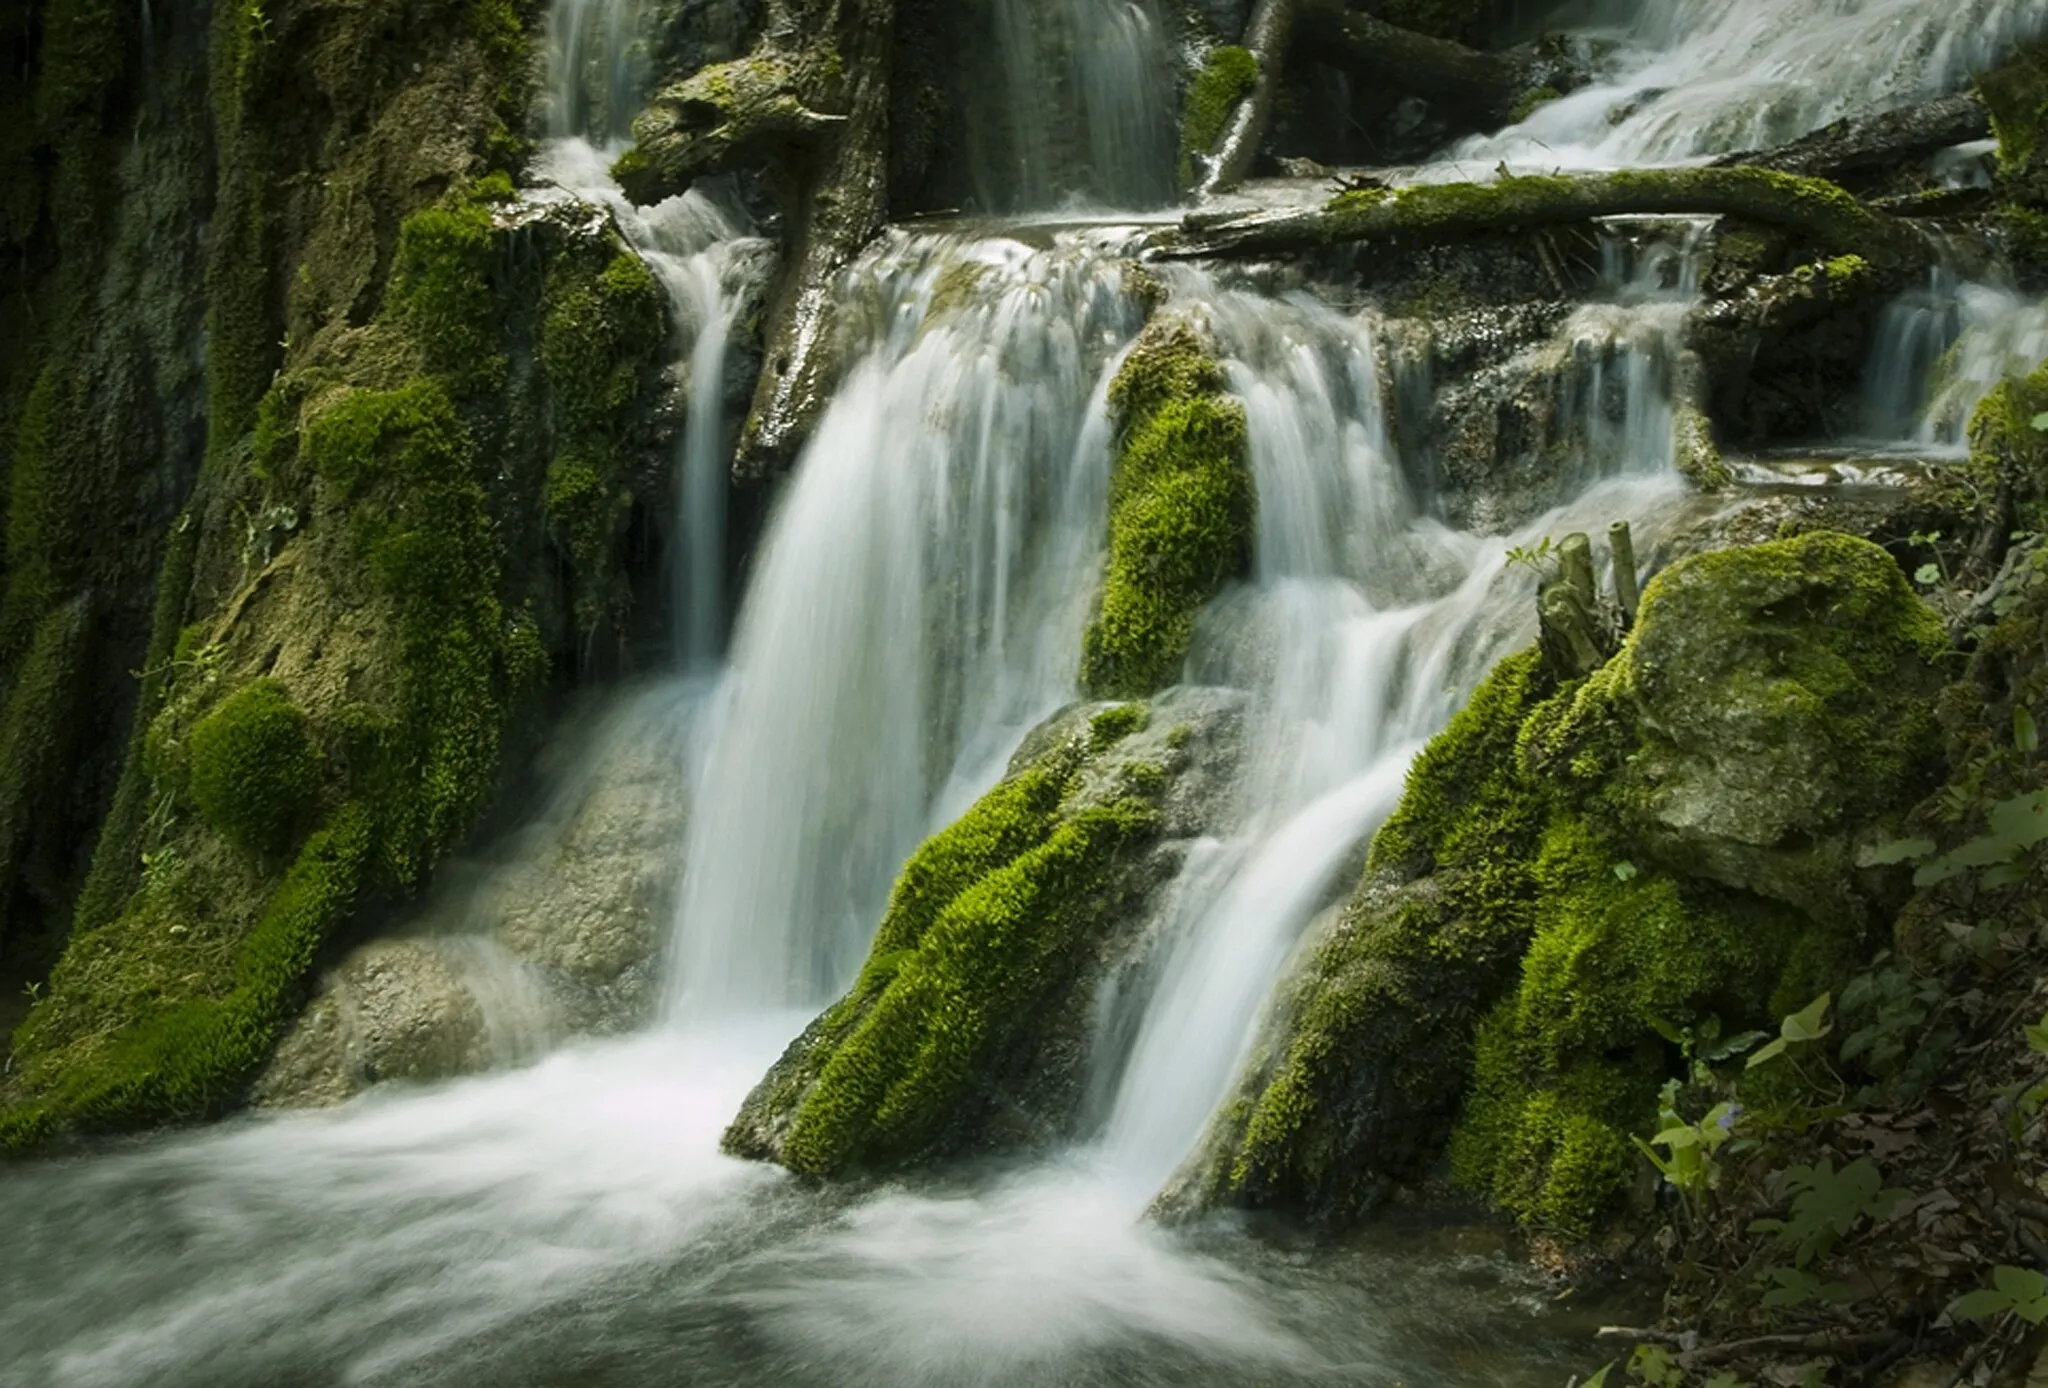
x: 1227, y: 76
x: 254, y: 770
x: 2017, y: 97
x: 1823, y: 211
x: 601, y: 341
x: 1570, y: 1065
x: 1180, y: 513
x: 958, y: 996
x: 105, y: 1046
x: 418, y: 517
x: 1532, y: 101
x: 1112, y: 725
x: 441, y: 290
x: 1467, y: 798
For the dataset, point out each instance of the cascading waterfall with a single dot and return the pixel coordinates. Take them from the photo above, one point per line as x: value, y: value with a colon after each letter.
x: 918, y: 605
x: 1687, y: 79
x: 1087, y: 95
x: 1938, y: 352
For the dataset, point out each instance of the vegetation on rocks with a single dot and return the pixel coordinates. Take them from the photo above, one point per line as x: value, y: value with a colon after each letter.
x: 1180, y: 523
x: 363, y: 599
x: 963, y: 1029
x: 1575, y: 872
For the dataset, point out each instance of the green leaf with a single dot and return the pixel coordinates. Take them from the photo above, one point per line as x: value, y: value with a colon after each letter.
x: 1979, y: 1305
x: 2019, y: 1284
x: 1768, y: 1053
x: 2021, y: 821
x: 1675, y: 1138
x: 1736, y: 1045
x: 2037, y: 1037
x: 1927, y: 575
x: 2039, y: 423
x: 1805, y: 1024
x: 1897, y: 851
x: 1624, y: 872
x: 1599, y: 1380
x: 1725, y: 1379
x: 2002, y: 875
x: 2025, y: 735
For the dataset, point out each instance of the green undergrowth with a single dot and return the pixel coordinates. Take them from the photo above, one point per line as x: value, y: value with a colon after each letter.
x: 1226, y: 77
x: 1180, y: 512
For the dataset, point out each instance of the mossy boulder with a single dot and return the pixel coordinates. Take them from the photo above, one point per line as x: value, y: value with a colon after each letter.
x: 1575, y: 873
x: 1180, y: 510
x: 969, y: 1027
x: 1773, y: 705
x: 254, y: 771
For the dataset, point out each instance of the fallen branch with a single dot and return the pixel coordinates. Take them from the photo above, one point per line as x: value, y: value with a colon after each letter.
x: 1870, y: 144
x: 1821, y: 211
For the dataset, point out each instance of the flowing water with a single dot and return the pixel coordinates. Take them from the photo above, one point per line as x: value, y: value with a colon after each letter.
x: 1682, y: 80
x: 916, y: 606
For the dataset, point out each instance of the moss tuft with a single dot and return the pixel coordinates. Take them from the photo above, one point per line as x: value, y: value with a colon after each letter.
x: 1181, y: 509
x: 954, y: 1000
x: 1227, y: 76
x: 1113, y: 725
x: 254, y: 770
x: 1569, y: 1065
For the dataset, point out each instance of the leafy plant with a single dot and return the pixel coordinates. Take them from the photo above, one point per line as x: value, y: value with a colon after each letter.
x: 2022, y: 1291
x: 1802, y: 1028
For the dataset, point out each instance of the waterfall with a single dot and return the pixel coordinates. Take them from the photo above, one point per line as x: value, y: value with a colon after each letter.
x: 917, y: 606
x: 1365, y: 625
x: 1684, y: 80
x: 1939, y: 350
x: 1087, y: 104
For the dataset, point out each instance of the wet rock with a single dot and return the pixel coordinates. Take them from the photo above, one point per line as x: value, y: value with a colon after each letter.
x: 395, y: 1010
x: 555, y: 934
x: 971, y: 1027
x: 1576, y: 868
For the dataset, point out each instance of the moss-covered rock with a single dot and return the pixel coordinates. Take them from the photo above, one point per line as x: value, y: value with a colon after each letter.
x: 1227, y: 75
x: 254, y: 771
x: 1180, y: 510
x: 1772, y: 704
x: 1574, y: 873
x: 383, y: 557
x: 968, y: 1026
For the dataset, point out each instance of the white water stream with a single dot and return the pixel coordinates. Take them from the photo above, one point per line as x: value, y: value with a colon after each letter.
x: 916, y: 606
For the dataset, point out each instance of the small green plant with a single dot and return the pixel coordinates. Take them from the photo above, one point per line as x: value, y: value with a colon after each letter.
x: 1541, y: 557
x: 2021, y: 1291
x: 1827, y: 1207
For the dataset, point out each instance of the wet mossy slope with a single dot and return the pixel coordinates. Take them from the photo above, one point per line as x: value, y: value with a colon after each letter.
x: 969, y: 1027
x: 429, y: 405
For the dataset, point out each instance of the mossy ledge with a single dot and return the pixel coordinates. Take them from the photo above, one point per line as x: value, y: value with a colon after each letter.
x: 1576, y: 871
x: 1180, y: 510
x: 1226, y: 77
